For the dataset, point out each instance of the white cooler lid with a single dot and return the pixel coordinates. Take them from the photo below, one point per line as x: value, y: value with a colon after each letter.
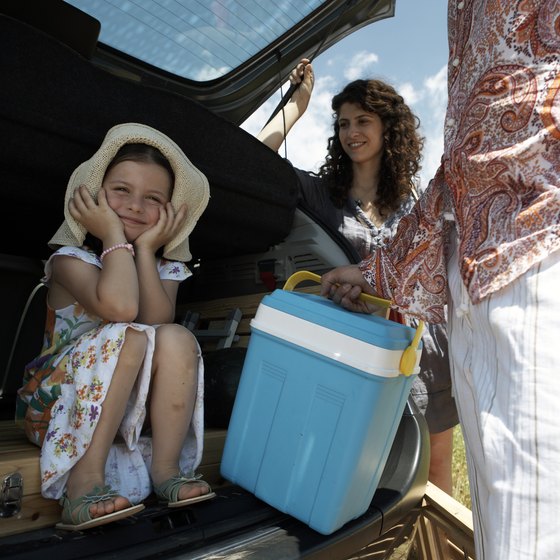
x: 330, y: 343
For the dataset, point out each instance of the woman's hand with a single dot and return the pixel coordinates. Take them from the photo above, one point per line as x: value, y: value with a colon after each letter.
x: 98, y: 218
x: 343, y: 285
x: 302, y: 74
x: 274, y: 133
x: 163, y: 231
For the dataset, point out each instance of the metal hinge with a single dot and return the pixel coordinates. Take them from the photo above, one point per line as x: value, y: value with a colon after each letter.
x: 11, y: 494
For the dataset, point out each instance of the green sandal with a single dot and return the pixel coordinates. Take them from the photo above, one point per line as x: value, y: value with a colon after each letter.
x: 76, y: 515
x: 168, y: 491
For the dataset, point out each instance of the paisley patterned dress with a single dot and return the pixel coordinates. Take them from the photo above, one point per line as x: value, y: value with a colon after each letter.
x: 64, y: 388
x: 498, y: 185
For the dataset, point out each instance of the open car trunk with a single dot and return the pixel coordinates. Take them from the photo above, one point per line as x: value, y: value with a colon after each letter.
x: 55, y: 108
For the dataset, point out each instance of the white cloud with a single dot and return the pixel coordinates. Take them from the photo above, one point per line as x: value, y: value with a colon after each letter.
x: 410, y: 94
x: 360, y: 65
x: 437, y: 84
x: 432, y: 117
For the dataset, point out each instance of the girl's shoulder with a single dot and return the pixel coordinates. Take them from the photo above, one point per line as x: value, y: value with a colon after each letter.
x: 168, y: 270
x: 83, y: 253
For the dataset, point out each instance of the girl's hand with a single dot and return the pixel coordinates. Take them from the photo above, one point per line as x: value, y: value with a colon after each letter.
x: 98, y: 218
x: 164, y: 230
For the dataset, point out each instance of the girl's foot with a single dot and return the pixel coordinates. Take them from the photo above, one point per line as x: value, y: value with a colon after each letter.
x: 100, y: 506
x: 180, y: 491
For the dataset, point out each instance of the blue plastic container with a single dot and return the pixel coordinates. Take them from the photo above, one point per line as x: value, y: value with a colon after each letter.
x: 317, y: 408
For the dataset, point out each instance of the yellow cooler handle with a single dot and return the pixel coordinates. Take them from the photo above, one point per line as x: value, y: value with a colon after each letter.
x: 408, y: 359
x: 302, y: 275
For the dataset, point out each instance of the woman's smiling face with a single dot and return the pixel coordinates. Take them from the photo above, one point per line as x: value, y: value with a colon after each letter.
x: 136, y: 191
x: 360, y: 133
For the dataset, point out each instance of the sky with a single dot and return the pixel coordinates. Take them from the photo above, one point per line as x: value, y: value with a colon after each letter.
x: 409, y: 51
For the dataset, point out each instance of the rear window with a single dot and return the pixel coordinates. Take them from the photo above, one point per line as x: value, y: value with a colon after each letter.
x: 199, y: 40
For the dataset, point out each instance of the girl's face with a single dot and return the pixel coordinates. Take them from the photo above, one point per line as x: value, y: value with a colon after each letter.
x: 136, y: 191
x: 360, y: 134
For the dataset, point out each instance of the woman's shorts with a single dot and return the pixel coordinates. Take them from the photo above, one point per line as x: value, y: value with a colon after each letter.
x: 431, y: 390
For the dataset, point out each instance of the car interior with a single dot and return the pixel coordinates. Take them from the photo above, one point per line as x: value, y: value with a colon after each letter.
x: 56, y: 105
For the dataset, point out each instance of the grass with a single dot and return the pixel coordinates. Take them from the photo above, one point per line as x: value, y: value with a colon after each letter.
x: 459, y: 465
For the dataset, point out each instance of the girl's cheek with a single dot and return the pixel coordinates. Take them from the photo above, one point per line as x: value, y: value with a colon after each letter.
x: 154, y: 216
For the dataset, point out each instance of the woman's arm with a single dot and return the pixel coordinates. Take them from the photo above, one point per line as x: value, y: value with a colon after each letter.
x: 274, y: 133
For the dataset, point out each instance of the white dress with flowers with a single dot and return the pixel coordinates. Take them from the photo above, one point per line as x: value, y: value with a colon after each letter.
x: 65, y: 386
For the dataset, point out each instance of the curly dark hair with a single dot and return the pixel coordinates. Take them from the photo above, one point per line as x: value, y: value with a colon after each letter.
x: 401, y: 140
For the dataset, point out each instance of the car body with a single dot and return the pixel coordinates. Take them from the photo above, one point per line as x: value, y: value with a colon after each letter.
x: 66, y: 82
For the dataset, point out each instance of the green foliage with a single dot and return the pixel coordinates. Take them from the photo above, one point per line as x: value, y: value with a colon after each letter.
x: 459, y: 465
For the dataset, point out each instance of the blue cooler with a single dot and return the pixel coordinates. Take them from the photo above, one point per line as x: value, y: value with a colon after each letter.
x: 318, y: 405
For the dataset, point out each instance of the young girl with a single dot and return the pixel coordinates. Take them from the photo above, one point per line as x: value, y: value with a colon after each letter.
x: 113, y: 363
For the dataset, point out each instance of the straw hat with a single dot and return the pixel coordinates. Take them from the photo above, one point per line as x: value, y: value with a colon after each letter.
x: 191, y: 186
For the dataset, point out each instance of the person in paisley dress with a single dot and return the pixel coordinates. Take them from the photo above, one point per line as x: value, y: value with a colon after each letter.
x: 362, y: 191
x: 115, y: 397
x: 484, y: 239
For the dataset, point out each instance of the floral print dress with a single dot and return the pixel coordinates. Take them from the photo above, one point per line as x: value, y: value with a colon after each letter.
x: 64, y: 388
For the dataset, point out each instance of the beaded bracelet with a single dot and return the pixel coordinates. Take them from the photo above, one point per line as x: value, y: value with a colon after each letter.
x: 128, y: 246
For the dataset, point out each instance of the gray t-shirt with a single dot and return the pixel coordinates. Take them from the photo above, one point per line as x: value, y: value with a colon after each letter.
x: 350, y: 221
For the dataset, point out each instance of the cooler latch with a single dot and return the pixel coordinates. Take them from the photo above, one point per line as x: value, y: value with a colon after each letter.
x: 11, y: 494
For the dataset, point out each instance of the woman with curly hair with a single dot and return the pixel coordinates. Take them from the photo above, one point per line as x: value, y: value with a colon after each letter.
x: 362, y: 190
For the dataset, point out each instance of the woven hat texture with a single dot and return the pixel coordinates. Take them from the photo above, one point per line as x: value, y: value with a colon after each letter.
x: 191, y: 185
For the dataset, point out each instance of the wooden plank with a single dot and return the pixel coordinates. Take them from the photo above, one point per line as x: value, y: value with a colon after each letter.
x: 431, y: 547
x: 36, y: 512
x: 13, y: 438
x: 448, y: 507
x: 422, y: 538
x: 11, y: 434
x: 16, y: 445
x: 9, y: 429
x: 26, y: 463
x: 445, y: 529
x: 456, y: 553
x: 448, y: 533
